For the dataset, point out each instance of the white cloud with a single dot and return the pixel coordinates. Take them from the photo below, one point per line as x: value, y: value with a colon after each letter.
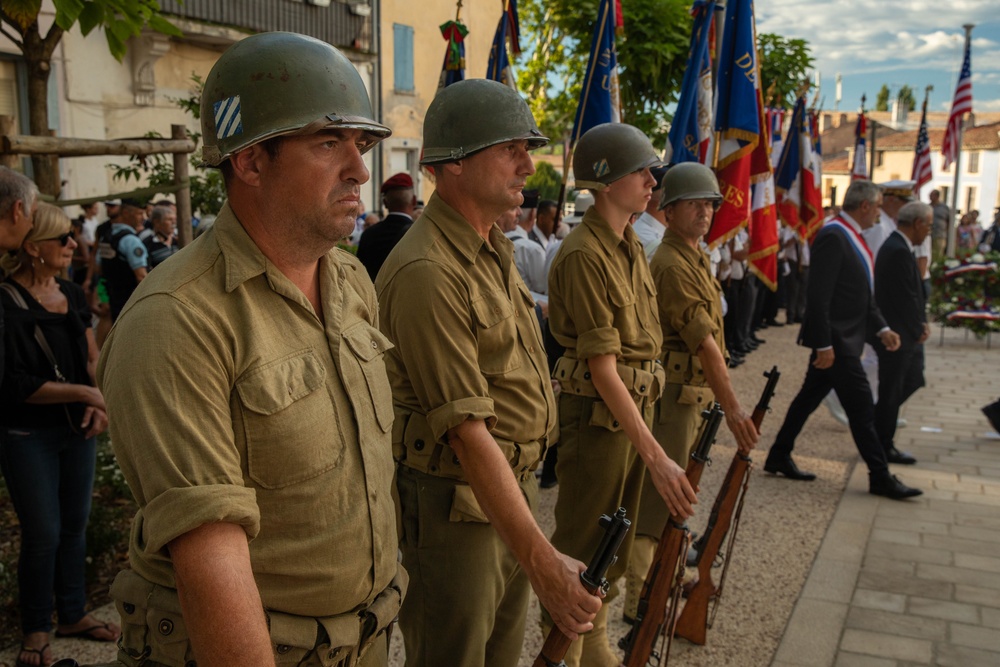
x: 988, y: 105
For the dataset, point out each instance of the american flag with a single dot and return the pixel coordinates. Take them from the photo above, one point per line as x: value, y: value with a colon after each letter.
x: 922, y: 171
x: 959, y: 107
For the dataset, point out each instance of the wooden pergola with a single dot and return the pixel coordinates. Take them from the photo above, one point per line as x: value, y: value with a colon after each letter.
x: 13, y: 145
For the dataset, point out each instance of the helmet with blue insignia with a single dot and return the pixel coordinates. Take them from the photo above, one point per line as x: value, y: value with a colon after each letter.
x: 278, y: 83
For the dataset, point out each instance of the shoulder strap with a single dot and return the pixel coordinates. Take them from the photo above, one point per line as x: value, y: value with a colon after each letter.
x: 15, y: 295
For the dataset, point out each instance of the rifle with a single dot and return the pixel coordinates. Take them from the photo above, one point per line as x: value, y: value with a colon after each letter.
x: 657, y: 609
x: 615, y: 527
x: 694, y: 619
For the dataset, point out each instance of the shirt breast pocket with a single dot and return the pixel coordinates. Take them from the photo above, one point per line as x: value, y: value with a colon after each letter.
x: 288, y: 421
x: 496, y: 334
x: 368, y: 345
x: 625, y: 317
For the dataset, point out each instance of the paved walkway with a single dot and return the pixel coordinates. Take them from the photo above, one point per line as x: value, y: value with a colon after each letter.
x: 916, y: 583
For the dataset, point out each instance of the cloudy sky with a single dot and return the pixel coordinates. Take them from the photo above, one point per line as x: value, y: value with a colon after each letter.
x: 896, y: 42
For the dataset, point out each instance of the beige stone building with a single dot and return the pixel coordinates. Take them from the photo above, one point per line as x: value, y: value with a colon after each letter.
x: 411, y: 54
x: 895, y: 142
x: 93, y: 96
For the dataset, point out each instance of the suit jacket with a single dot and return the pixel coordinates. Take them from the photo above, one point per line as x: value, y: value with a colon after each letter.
x: 899, y: 290
x: 378, y: 241
x: 840, y: 307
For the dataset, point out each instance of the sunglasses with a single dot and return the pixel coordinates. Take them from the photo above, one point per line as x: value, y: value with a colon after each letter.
x: 62, y: 238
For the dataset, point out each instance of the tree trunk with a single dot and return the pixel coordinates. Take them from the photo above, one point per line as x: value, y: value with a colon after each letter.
x: 38, y: 58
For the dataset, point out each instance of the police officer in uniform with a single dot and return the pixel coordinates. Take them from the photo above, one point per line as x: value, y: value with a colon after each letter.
x: 473, y: 400
x: 258, y: 442
x: 602, y: 309
x: 693, y: 352
x: 123, y: 257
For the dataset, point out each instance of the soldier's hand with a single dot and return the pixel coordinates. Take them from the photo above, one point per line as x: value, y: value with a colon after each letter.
x: 674, y: 487
x: 925, y: 334
x: 559, y: 589
x: 741, y: 424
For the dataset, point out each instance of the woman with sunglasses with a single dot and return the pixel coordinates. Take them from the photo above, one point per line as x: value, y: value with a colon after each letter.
x: 50, y: 415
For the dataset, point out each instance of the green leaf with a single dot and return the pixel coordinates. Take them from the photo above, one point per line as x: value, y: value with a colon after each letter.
x: 91, y: 17
x: 162, y: 25
x: 115, y: 44
x: 22, y: 12
x: 67, y: 12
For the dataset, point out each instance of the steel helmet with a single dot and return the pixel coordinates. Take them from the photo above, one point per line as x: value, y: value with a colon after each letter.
x: 279, y: 83
x: 611, y: 151
x: 689, y: 180
x: 470, y: 115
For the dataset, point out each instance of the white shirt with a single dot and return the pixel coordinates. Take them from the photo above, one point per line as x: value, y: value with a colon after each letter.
x: 529, y: 258
x: 90, y: 230
x: 876, y: 235
x: 650, y: 232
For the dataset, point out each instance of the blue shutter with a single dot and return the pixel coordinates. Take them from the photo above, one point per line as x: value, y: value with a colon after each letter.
x: 402, y: 61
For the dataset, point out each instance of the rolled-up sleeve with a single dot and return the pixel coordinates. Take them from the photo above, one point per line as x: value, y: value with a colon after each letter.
x: 587, y: 320
x: 683, y: 308
x: 426, y: 310
x: 173, y: 434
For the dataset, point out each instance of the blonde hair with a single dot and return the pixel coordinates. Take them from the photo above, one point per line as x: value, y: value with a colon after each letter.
x: 49, y: 223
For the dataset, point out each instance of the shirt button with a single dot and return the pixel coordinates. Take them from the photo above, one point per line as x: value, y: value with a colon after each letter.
x: 374, y: 345
x: 290, y: 390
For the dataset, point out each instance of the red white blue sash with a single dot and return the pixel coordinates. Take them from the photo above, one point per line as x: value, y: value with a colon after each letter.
x: 861, y: 248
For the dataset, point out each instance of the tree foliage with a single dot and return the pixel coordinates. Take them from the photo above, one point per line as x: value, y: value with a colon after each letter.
x: 905, y: 96
x: 651, y: 59
x: 208, y: 192
x: 546, y: 180
x: 121, y: 20
x: 784, y: 64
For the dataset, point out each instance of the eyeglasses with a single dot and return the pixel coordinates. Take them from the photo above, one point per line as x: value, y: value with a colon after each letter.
x: 62, y: 238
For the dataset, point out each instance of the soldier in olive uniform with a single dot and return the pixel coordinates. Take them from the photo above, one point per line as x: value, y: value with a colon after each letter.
x: 257, y: 441
x: 693, y: 352
x: 602, y: 309
x: 472, y: 395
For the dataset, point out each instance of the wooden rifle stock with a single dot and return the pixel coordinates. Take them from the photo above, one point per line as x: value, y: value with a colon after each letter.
x: 658, y: 602
x: 693, y: 622
x: 593, y: 579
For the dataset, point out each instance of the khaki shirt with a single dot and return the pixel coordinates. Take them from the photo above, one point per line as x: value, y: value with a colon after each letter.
x: 230, y: 401
x: 601, y: 296
x: 468, y: 344
x: 689, y: 299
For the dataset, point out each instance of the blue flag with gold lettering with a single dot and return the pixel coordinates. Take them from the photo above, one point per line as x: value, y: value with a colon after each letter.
x: 686, y: 142
x: 599, y: 101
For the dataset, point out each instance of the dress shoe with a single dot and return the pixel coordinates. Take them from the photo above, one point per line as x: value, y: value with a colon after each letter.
x: 736, y: 360
x: 893, y: 455
x: 884, y: 484
x: 751, y: 344
x: 788, y: 468
x: 992, y: 412
x: 773, y: 323
x: 759, y: 341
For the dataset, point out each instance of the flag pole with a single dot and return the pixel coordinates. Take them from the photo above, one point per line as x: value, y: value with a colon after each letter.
x: 720, y: 30
x: 950, y: 245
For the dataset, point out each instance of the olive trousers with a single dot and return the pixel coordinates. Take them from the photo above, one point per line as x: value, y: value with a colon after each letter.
x: 468, y: 598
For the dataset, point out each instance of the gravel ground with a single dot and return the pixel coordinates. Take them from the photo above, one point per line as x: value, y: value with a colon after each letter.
x: 783, y: 525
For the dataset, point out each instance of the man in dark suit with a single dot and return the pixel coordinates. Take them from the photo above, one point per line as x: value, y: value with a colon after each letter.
x: 899, y: 294
x: 378, y: 240
x: 841, y: 315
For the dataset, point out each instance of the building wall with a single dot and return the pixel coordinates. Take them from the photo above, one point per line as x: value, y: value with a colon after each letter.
x: 404, y: 111
x: 95, y: 97
x: 986, y: 181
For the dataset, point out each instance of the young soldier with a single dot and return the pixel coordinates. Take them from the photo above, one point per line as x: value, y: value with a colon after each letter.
x: 602, y: 309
